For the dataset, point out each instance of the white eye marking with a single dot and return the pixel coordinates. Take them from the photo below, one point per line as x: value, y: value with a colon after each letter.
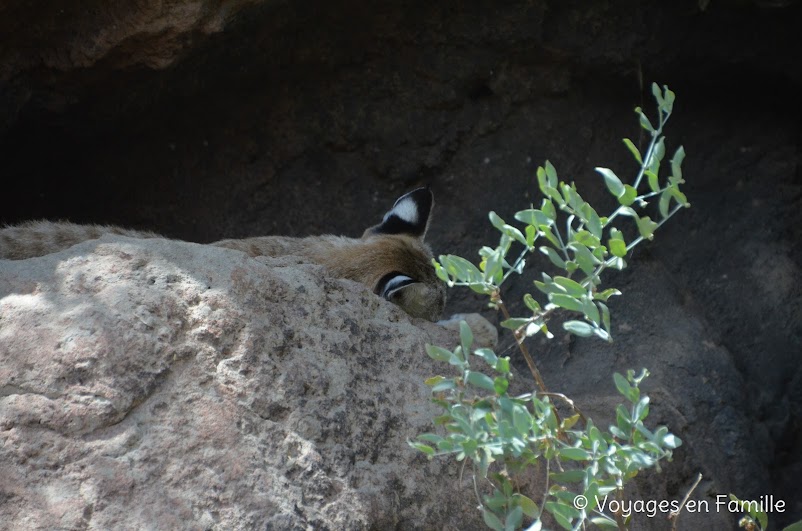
x: 396, y: 283
x: 406, y: 209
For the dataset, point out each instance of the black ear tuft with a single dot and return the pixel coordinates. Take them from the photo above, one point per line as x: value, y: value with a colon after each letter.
x: 409, y: 215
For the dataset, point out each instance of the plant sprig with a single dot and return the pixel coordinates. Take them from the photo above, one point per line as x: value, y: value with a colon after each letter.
x: 503, y: 435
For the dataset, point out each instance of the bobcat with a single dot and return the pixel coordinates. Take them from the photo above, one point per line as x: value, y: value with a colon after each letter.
x: 390, y: 258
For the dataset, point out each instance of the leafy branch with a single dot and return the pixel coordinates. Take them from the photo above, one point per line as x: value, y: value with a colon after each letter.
x: 504, y: 435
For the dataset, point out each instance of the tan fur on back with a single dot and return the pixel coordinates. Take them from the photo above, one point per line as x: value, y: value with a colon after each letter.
x: 366, y: 260
x: 38, y: 238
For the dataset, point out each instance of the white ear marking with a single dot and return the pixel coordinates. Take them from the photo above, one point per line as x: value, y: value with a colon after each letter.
x: 409, y: 215
x: 406, y: 209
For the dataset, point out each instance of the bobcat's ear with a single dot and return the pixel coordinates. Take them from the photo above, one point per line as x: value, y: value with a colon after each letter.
x: 409, y: 215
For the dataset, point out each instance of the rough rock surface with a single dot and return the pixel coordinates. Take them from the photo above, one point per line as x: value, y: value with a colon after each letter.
x: 171, y: 384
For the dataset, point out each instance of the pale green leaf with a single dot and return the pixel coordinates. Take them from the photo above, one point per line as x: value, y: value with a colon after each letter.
x: 612, y: 181
x: 634, y: 150
x: 578, y: 328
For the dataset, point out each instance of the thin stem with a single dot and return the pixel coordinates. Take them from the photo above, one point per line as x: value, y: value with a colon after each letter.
x: 529, y: 362
x: 476, y: 490
x: 647, y: 161
x: 568, y: 401
x: 514, y: 266
x: 562, y: 245
x: 546, y: 490
x: 675, y: 514
x: 619, y: 518
x: 655, y: 138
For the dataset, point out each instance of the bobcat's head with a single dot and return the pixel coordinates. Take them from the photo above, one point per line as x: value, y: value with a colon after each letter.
x: 402, y: 262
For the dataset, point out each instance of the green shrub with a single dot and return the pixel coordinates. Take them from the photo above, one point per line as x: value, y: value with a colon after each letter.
x: 503, y: 436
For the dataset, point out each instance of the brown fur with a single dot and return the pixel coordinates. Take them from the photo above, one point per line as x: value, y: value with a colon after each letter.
x: 38, y: 238
x: 366, y: 260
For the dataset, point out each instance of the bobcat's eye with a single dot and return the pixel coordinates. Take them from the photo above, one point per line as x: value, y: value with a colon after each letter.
x: 392, y: 282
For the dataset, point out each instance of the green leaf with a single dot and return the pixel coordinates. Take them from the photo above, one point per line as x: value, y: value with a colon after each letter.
x: 569, y: 476
x: 425, y: 448
x: 529, y: 507
x: 514, y: 519
x: 590, y: 310
x: 562, y: 512
x: 629, y: 195
x: 465, y: 336
x: 444, y: 385
x: 495, y: 220
x: 571, y: 287
x: 679, y: 196
x: 547, y: 287
x: 665, y: 201
x: 548, y: 208
x: 438, y: 353
x: 439, y: 271
x: 796, y: 526
x: 586, y: 238
x: 657, y: 93
x: 568, y: 423
x: 594, y: 222
x: 641, y: 409
x: 571, y: 196
x: 575, y: 454
x: 763, y: 518
x: 534, y: 217
x: 551, y: 174
x: 646, y: 227
x: 669, y: 98
x: 430, y: 437
x: 618, y: 263
x: 627, y: 211
x: 515, y: 234
x: 604, y: 522
x: 547, y: 182
x: 659, y: 153
x: 500, y: 385
x: 531, y: 303
x: 632, y: 149
x: 492, y: 521
x: 626, y: 390
x: 676, y: 162
x: 493, y: 266
x: 460, y: 268
x: 479, y: 379
x: 553, y: 256
x: 605, y: 315
x: 566, y: 301
x: 644, y: 121
x: 578, y: 328
x: 654, y: 183
x: 531, y: 235
x: 672, y: 441
x: 587, y: 262
x: 591, y: 495
x: 549, y: 235
x: 515, y: 323
x: 433, y: 380
x: 612, y: 181
x: 486, y: 354
x: 617, y: 247
x: 521, y: 419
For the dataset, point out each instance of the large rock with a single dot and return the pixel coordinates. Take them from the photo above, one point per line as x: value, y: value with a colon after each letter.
x: 161, y: 384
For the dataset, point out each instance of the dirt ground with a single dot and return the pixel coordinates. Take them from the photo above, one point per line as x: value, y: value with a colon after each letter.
x: 311, y: 117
